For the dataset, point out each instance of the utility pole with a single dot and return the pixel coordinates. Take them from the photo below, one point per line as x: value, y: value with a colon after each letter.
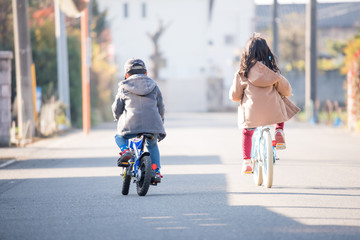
x: 23, y: 59
x: 275, y: 28
x: 311, y: 62
x: 62, y: 59
x: 85, y: 71
x: 81, y: 10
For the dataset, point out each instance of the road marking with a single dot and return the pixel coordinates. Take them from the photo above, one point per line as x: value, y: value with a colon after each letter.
x: 195, y: 214
x: 170, y: 228
x: 174, y: 222
x: 204, y: 219
x: 161, y: 217
x: 213, y: 225
x: 7, y: 163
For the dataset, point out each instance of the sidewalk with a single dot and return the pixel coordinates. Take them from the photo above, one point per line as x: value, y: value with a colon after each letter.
x: 8, y: 155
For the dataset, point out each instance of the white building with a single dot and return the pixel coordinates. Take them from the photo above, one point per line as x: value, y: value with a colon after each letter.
x: 198, y: 45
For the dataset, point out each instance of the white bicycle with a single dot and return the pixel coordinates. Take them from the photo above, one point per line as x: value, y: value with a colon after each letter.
x: 263, y: 155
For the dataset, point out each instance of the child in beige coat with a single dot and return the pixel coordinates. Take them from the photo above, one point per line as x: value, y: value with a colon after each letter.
x: 260, y: 89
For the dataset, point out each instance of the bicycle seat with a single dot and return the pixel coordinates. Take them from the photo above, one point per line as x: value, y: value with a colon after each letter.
x: 147, y: 135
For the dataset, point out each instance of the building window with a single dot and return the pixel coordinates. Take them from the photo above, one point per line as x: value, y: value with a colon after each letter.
x: 126, y: 10
x: 143, y: 9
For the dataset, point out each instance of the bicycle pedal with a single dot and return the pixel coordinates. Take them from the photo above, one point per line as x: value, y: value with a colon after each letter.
x: 124, y: 164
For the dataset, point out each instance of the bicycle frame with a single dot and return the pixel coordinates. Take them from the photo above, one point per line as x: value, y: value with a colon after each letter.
x: 263, y: 155
x: 136, y: 146
x: 255, y: 150
x: 140, y: 168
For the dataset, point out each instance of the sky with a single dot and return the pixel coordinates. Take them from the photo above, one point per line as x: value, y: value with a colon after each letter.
x: 299, y: 1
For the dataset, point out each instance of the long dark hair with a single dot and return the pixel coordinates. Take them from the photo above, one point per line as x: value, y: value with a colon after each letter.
x: 256, y: 49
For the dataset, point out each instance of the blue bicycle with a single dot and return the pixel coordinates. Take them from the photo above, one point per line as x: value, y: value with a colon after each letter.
x: 263, y: 155
x: 140, y: 167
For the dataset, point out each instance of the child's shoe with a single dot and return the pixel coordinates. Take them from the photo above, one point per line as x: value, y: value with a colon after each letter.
x: 125, y: 156
x: 157, y: 173
x: 246, y: 167
x: 280, y: 139
x: 156, y: 178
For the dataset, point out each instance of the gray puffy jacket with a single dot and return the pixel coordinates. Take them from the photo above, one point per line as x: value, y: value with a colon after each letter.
x: 139, y: 107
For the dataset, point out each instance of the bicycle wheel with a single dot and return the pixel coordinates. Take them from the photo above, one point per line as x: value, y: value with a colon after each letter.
x: 257, y: 169
x: 258, y: 177
x: 126, y: 181
x: 143, y: 184
x: 267, y: 155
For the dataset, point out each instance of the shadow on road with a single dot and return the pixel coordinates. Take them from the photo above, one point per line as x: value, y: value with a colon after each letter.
x: 106, y: 162
x: 77, y: 208
x: 183, y: 206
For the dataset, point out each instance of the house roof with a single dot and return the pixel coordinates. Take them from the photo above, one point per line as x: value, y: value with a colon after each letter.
x: 338, y: 15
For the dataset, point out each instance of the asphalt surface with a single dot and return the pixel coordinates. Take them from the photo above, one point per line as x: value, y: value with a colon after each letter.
x: 69, y: 187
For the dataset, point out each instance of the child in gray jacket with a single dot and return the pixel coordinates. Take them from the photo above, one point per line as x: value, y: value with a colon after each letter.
x: 139, y: 108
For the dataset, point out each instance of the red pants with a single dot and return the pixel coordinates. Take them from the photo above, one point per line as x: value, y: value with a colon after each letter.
x: 247, y: 140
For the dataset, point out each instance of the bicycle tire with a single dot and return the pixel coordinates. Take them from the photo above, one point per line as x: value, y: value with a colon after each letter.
x: 257, y: 169
x: 142, y: 186
x: 268, y: 156
x: 257, y: 175
x: 126, y: 182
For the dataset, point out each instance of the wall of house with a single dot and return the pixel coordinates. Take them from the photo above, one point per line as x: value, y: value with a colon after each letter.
x: 182, y: 45
x: 194, y: 46
x: 230, y: 27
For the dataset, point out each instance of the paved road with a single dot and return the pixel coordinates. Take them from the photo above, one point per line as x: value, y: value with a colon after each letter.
x: 69, y: 188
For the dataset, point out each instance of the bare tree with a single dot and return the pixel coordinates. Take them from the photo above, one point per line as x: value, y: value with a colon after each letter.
x: 156, y: 58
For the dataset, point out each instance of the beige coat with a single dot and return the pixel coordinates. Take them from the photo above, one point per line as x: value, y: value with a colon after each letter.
x: 262, y: 97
